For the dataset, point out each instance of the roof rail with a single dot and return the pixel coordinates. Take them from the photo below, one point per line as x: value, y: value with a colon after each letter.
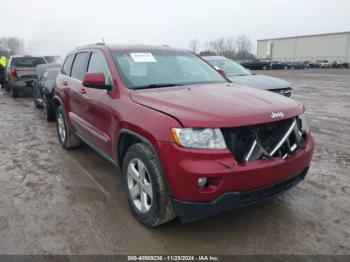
x: 90, y: 45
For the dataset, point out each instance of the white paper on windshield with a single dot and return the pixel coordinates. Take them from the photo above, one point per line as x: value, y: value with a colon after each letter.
x: 143, y: 57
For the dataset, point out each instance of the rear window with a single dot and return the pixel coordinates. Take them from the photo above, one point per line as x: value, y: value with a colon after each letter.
x: 27, y: 61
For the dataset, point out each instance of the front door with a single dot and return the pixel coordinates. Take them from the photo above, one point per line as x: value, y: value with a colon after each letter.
x: 98, y: 114
x: 77, y: 92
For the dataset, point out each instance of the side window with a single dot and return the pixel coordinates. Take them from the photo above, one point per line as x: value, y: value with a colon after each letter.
x: 97, y: 64
x: 79, y: 65
x: 67, y: 65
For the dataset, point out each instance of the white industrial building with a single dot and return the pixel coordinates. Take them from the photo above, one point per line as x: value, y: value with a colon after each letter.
x: 331, y: 47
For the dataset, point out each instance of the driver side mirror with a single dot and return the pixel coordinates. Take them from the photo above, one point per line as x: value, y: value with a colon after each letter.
x: 96, y: 80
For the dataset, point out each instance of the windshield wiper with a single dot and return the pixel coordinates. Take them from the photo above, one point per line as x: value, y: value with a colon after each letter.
x: 156, y: 86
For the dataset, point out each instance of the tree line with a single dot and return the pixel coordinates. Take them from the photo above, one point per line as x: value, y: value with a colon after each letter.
x: 10, y: 45
x: 232, y: 48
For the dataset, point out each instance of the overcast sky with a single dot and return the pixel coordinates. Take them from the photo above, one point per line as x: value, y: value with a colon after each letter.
x: 57, y: 26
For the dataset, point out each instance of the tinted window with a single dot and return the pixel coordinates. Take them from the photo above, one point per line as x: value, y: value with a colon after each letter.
x: 27, y: 61
x: 67, y: 65
x: 97, y: 64
x: 79, y: 65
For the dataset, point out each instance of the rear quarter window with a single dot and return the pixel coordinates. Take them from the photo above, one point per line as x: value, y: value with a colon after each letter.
x: 27, y: 61
x: 79, y: 65
x: 67, y: 65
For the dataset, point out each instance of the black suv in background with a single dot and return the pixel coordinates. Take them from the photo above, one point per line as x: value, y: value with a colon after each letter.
x: 43, y: 89
x: 256, y: 64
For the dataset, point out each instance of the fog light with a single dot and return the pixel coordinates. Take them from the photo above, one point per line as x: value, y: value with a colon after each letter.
x: 202, y: 182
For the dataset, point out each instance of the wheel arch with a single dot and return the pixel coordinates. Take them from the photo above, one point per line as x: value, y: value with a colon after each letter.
x: 126, y: 139
x: 56, y: 102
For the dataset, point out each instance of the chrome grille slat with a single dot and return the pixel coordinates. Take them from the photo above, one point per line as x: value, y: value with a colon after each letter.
x: 283, y: 139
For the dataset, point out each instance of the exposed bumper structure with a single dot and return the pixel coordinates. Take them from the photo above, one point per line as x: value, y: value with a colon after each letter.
x: 190, y: 211
x: 183, y: 167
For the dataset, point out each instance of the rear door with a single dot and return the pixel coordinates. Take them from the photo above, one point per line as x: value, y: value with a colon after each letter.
x: 76, y: 92
x: 97, y: 113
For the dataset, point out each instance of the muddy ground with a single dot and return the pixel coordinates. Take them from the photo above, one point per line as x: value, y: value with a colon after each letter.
x: 72, y: 202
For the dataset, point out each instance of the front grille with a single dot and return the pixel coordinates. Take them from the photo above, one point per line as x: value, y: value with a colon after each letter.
x: 288, y: 92
x: 265, y: 141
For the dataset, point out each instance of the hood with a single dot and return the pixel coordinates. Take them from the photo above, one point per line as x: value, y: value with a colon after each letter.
x: 217, y: 105
x: 260, y: 82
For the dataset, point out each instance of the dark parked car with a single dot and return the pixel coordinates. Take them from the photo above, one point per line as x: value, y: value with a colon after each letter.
x: 188, y: 143
x: 20, y: 73
x: 43, y: 89
x: 256, y: 64
x: 278, y: 65
x: 297, y: 65
x: 238, y: 74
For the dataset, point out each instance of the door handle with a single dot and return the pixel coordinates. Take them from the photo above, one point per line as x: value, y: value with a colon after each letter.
x: 82, y: 91
x: 65, y: 83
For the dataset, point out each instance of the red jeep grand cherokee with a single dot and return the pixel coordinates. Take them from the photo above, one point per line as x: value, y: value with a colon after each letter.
x: 188, y: 142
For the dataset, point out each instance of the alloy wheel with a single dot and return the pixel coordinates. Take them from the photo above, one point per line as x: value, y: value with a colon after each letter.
x: 61, y: 128
x: 139, y: 185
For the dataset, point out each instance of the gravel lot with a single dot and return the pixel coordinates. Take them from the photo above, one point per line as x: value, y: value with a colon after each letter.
x: 72, y: 202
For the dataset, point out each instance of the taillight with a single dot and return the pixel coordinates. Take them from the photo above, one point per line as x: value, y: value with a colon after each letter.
x: 13, y: 71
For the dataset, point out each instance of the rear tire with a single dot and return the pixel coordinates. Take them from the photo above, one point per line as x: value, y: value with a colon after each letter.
x: 145, y: 186
x: 48, y: 110
x: 65, y: 135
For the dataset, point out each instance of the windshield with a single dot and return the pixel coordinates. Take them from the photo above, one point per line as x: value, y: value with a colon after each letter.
x: 151, y: 69
x: 231, y: 68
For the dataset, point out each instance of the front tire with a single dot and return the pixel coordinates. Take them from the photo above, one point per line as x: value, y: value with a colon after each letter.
x: 65, y: 135
x: 145, y: 186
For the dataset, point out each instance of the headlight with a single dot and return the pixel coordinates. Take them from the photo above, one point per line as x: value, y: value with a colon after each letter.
x: 303, y: 124
x: 210, y: 138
